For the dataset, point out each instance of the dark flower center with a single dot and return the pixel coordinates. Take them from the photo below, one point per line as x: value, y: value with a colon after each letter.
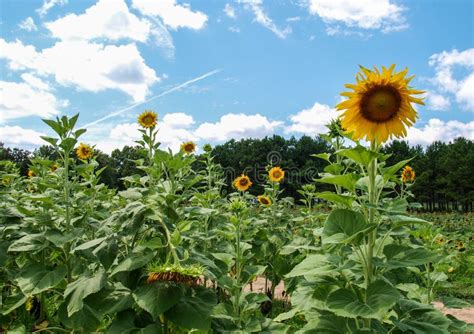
x: 380, y: 103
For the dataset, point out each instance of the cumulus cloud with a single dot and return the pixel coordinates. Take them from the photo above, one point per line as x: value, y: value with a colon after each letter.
x: 88, y: 66
x: 382, y: 15
x: 28, y: 24
x: 173, y: 130
x: 437, y: 101
x: 438, y: 130
x: 172, y: 14
x: 311, y: 121
x: 461, y: 86
x: 29, y: 98
x: 237, y: 126
x: 48, y: 4
x: 16, y: 136
x: 108, y: 19
x: 230, y: 11
x: 256, y: 6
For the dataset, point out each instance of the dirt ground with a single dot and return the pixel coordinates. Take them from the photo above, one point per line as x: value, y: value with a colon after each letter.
x: 465, y: 314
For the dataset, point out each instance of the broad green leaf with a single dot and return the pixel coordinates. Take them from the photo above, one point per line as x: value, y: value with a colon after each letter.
x: 36, y: 278
x: 130, y: 194
x: 347, y: 181
x: 81, y: 288
x: 157, y: 298
x: 312, y: 265
x: 88, y: 244
x: 381, y: 296
x: 194, y: 309
x: 359, y: 154
x: 420, y: 318
x: 335, y: 198
x: 399, y: 256
x: 133, y: 261
x: 13, y: 302
x: 50, y: 140
x: 28, y: 243
x: 55, y: 126
x: 324, y: 156
x: 345, y: 226
x: 86, y: 319
x: 453, y: 302
x: 402, y: 220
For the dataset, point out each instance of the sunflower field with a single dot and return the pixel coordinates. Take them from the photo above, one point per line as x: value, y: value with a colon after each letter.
x: 173, y: 253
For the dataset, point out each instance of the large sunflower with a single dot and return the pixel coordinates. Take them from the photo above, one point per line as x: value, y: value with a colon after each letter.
x: 147, y: 119
x: 188, y: 147
x: 380, y: 105
x: 276, y: 174
x: 242, y: 183
x: 408, y: 174
x: 84, y: 151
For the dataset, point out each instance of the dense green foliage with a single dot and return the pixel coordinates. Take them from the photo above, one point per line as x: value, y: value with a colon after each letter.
x: 445, y: 171
x: 175, y: 253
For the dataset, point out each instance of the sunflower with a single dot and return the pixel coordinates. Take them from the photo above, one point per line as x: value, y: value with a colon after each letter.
x: 147, y: 119
x: 276, y: 174
x: 84, y: 151
x: 450, y: 269
x: 188, y: 147
x: 242, y: 183
x: 380, y: 105
x: 408, y: 174
x: 264, y: 200
x: 31, y: 173
x: 53, y: 167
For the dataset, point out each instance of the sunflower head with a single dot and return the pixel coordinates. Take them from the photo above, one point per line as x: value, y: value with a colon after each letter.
x: 242, y: 183
x: 380, y: 105
x: 188, y: 147
x: 276, y: 174
x: 264, y: 200
x: 450, y: 269
x: 207, y: 148
x: 53, y: 167
x: 185, y: 274
x: 408, y: 174
x: 31, y: 173
x: 335, y: 128
x: 84, y: 151
x: 147, y: 119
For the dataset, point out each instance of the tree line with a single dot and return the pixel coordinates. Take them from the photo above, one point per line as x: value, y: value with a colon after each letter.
x: 444, y: 171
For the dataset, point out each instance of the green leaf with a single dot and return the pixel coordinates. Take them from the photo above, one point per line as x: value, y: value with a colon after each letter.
x: 347, y: 181
x: 453, y: 302
x: 28, y: 243
x: 194, y: 309
x: 419, y: 318
x: 130, y: 194
x: 68, y: 144
x: 36, y: 278
x: 359, y: 154
x: 79, y: 132
x: 399, y: 256
x: 388, y: 172
x: 58, y: 238
x: 403, y: 220
x: 312, y: 265
x: 158, y: 297
x: 133, y: 261
x: 81, y: 288
x: 335, y: 198
x: 345, y: 226
x: 381, y: 296
x: 55, y: 126
x: 88, y: 244
x: 324, y: 156
x: 50, y: 140
x: 13, y: 302
x: 73, y: 120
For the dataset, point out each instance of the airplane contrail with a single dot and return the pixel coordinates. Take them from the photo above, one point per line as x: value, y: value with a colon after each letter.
x: 173, y: 89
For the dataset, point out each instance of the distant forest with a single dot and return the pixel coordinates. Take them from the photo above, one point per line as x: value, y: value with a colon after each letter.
x: 444, y: 171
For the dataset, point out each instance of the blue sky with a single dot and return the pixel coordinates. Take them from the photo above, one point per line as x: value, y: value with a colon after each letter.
x: 245, y: 68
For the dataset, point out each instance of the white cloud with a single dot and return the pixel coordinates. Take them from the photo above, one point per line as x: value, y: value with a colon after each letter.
x: 237, y: 126
x: 262, y: 18
x: 364, y: 14
x: 109, y: 19
x: 437, y: 101
x: 293, y: 19
x: 313, y: 120
x: 16, y: 136
x: 234, y: 29
x: 173, y: 15
x: 29, y: 98
x: 229, y: 11
x: 173, y: 130
x: 438, y: 130
x: 88, y: 66
x: 28, y: 24
x: 460, y: 85
x: 48, y: 4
